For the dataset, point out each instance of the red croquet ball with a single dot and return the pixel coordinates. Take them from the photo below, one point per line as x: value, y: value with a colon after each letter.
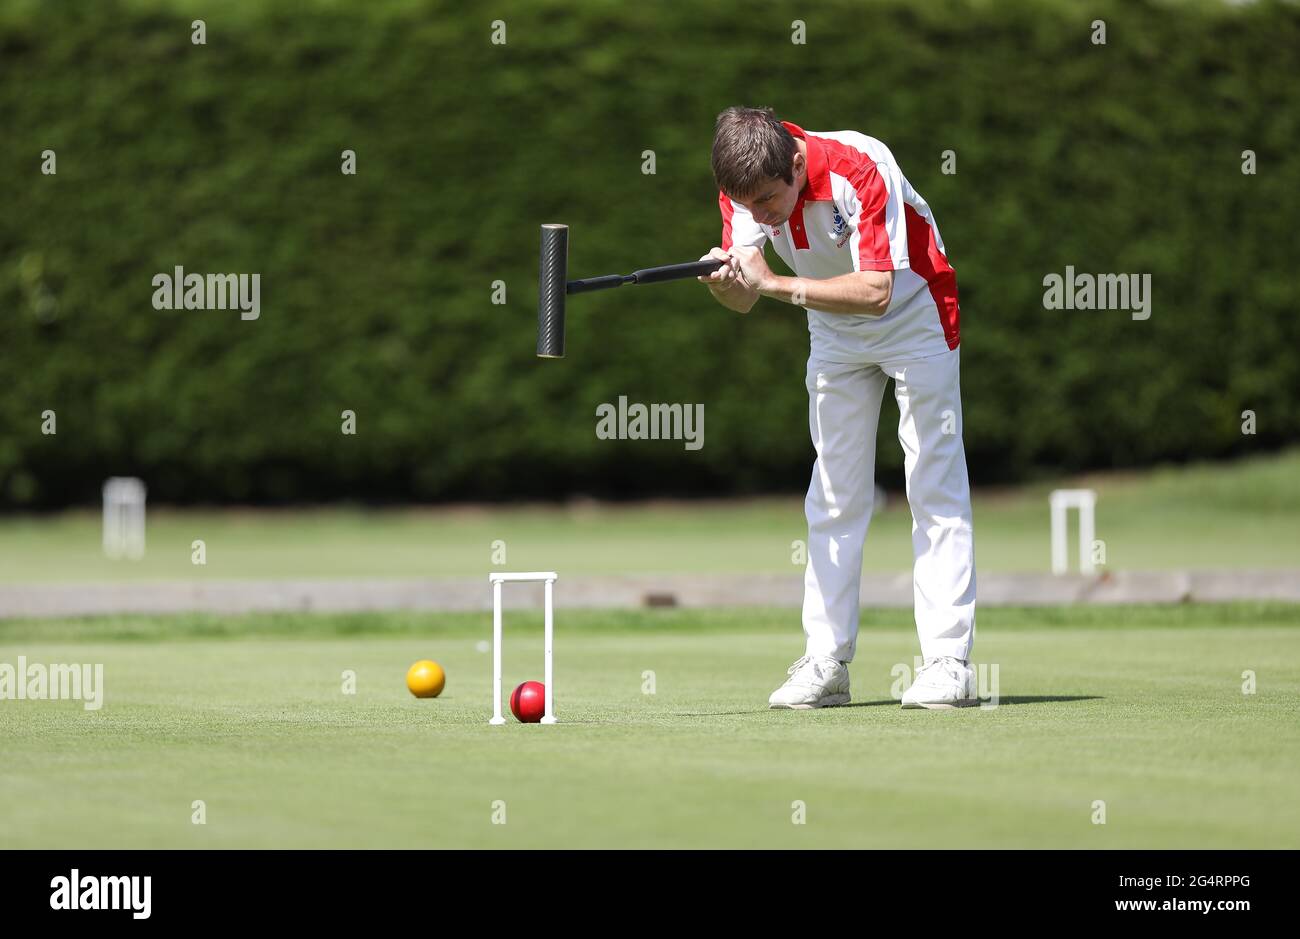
x: 528, y: 702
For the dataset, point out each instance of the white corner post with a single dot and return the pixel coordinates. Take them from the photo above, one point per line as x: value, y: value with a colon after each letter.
x: 1061, y: 501
x: 496, y: 654
x: 548, y: 579
x: 548, y: 717
x: 123, y: 535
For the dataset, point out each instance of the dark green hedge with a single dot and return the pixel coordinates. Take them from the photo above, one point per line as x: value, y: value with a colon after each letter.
x: 376, y: 288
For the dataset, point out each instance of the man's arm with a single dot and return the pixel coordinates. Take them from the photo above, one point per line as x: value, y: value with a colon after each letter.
x: 859, y: 292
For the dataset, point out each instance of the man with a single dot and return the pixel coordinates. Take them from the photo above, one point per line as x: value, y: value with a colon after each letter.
x: 881, y: 300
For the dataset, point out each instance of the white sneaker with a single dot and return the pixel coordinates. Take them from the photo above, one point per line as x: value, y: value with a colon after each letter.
x: 945, y: 682
x: 816, y: 681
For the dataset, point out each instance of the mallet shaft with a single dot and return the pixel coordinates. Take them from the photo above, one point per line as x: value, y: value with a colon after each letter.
x: 649, y: 275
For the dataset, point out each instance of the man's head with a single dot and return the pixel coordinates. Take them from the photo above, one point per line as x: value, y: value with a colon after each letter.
x: 758, y: 163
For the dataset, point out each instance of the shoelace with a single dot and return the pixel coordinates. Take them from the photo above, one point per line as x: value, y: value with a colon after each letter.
x: 945, y: 664
x: 799, y: 663
x: 806, y: 663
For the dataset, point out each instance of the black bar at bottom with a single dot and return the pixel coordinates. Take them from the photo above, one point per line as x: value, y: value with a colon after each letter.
x: 330, y: 888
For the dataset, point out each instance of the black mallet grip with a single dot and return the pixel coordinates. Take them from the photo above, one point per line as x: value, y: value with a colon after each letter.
x: 655, y: 275
x: 650, y: 275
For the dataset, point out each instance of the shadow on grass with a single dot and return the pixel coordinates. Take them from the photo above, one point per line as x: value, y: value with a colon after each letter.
x: 1003, y: 700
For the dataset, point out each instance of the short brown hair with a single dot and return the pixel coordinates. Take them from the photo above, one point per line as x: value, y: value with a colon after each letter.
x: 750, y: 146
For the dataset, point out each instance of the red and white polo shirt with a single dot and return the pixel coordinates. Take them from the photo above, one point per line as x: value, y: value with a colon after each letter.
x: 858, y: 212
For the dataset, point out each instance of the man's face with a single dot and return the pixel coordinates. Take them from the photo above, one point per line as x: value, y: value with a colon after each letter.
x: 774, y: 201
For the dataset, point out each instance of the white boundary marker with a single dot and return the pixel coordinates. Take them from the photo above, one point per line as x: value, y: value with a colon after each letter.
x: 1062, y: 500
x: 496, y: 580
x: 123, y: 535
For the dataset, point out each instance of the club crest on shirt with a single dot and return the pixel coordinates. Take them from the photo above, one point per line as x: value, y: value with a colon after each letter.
x: 841, y: 233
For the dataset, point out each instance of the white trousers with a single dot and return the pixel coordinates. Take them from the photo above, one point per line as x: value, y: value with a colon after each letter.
x: 843, y: 413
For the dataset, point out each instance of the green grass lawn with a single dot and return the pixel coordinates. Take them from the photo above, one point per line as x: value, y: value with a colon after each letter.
x: 1243, y: 514
x: 1141, y: 707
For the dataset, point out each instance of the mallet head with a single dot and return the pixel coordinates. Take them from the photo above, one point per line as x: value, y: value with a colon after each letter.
x: 552, y: 280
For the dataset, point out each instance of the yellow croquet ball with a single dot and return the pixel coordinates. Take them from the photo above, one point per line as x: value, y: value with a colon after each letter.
x: 425, y: 679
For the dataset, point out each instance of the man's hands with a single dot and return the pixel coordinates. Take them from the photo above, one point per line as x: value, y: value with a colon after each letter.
x: 753, y: 266
x: 739, y: 282
x: 724, y: 276
x: 728, y: 283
